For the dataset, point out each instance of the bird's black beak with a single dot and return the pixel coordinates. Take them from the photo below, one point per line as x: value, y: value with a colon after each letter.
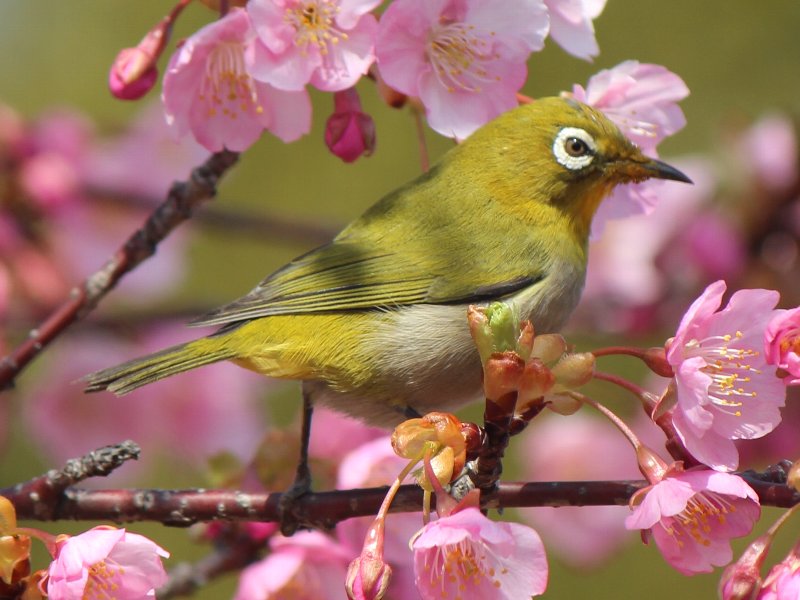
x: 657, y: 169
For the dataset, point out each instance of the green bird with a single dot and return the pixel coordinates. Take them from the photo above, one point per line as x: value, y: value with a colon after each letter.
x: 374, y: 322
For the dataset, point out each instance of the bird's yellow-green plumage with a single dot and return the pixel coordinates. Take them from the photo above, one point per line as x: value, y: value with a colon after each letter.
x: 375, y: 321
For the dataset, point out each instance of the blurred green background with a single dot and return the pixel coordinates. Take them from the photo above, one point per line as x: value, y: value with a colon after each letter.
x: 739, y: 59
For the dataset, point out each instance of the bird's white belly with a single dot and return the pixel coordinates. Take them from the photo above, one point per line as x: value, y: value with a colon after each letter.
x: 428, y: 360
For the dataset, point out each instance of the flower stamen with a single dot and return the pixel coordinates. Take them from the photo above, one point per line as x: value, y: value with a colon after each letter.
x: 460, y: 58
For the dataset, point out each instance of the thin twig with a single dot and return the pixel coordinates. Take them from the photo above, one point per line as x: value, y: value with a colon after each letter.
x: 44, y: 493
x: 181, y: 202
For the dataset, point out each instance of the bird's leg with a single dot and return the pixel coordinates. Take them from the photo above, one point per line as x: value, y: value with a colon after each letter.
x: 302, y: 477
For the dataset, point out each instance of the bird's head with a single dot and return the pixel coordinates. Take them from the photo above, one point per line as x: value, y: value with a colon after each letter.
x: 563, y: 153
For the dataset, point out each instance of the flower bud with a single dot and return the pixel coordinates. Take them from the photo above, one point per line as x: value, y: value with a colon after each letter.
x: 742, y: 579
x: 563, y: 404
x: 574, y: 370
x: 368, y: 578
x: 656, y: 359
x: 536, y: 381
x: 349, y: 132
x: 132, y: 74
x: 134, y: 71
x: 549, y: 347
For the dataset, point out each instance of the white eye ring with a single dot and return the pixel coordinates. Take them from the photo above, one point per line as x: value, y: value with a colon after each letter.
x: 571, y: 161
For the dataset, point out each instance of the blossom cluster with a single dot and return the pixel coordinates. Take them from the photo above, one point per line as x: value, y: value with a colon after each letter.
x: 463, y: 60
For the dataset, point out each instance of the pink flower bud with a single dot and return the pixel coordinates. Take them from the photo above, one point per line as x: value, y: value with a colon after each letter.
x: 133, y: 74
x: 134, y: 71
x: 742, y: 579
x: 367, y: 578
x: 349, y: 132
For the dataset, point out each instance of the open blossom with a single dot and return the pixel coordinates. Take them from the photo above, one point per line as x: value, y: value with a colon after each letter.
x: 642, y: 100
x: 105, y: 562
x: 571, y: 25
x: 209, y: 92
x: 307, y: 565
x: 464, y: 59
x: 725, y: 388
x: 329, y: 43
x: 693, y: 515
x: 466, y: 555
x: 782, y: 344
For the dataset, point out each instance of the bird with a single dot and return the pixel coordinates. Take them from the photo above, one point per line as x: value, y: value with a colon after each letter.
x: 374, y: 323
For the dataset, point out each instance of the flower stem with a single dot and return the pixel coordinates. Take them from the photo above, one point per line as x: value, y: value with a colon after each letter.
x: 618, y: 423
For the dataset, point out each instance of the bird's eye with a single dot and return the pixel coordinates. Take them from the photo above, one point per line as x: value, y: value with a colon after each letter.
x: 574, y: 148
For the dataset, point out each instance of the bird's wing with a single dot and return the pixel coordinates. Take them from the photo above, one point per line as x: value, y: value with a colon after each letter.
x: 345, y: 276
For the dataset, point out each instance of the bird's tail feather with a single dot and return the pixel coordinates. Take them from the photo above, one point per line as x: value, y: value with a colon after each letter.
x: 128, y: 376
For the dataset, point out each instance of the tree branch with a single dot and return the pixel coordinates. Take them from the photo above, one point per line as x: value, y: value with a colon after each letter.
x: 181, y: 201
x: 321, y: 510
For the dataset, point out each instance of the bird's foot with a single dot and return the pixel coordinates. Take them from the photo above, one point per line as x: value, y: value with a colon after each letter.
x: 290, y: 518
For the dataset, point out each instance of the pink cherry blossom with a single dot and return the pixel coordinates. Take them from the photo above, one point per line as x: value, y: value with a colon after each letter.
x: 555, y: 449
x: 105, y: 562
x: 571, y: 25
x: 783, y: 580
x: 642, y: 100
x: 307, y: 565
x: 464, y: 59
x: 208, y: 91
x: 725, y: 388
x: 693, y: 515
x: 782, y: 344
x: 349, y: 132
x: 466, y: 555
x: 329, y: 43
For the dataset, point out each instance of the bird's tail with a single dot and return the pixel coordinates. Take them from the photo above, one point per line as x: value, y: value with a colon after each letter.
x: 128, y: 376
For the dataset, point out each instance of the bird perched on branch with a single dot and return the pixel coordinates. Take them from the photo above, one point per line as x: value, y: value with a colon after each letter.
x: 374, y: 323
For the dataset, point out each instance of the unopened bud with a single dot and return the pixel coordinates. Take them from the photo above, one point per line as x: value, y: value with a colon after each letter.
x: 367, y: 578
x: 134, y: 71
x: 549, y: 347
x: 742, y: 579
x: 536, y: 381
x: 132, y: 74
x: 349, y: 132
x: 502, y: 374
x: 651, y: 464
x: 563, y: 404
x: 574, y: 370
x: 656, y: 359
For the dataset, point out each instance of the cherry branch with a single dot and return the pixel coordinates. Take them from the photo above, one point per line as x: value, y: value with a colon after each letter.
x: 320, y: 510
x: 182, y: 200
